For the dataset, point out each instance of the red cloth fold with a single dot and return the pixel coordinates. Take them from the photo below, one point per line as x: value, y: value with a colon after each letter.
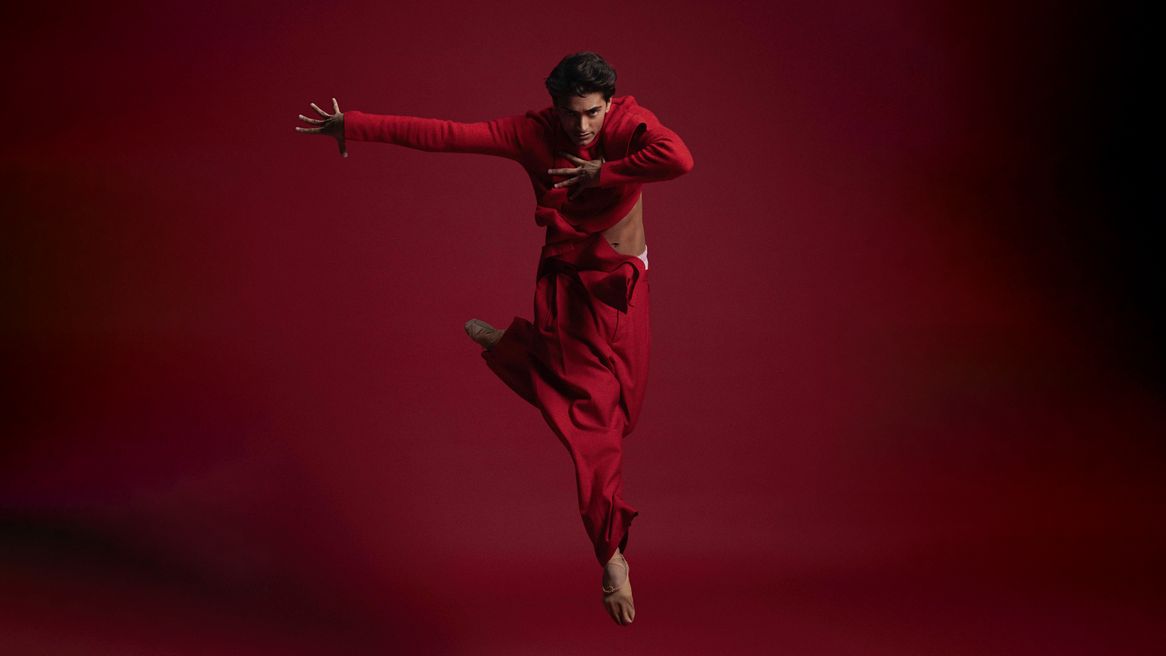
x: 583, y: 362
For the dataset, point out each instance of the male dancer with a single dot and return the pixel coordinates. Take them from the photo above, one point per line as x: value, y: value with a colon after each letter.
x: 583, y: 361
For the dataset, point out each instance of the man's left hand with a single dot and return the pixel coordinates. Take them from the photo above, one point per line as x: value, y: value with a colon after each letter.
x: 586, y: 174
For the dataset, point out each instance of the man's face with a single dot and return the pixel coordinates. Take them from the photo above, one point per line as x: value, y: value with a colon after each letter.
x: 582, y: 116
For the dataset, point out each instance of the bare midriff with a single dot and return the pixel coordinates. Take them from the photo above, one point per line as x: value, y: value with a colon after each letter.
x: 627, y: 236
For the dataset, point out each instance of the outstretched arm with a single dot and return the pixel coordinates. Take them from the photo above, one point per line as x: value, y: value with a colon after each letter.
x: 500, y: 137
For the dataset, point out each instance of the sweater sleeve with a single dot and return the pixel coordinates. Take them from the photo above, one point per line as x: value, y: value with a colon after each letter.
x: 659, y: 154
x: 500, y: 137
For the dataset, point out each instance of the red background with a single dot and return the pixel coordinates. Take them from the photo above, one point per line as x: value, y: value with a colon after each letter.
x: 906, y: 393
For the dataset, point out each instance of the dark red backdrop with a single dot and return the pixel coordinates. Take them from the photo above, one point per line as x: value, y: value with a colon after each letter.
x: 906, y: 393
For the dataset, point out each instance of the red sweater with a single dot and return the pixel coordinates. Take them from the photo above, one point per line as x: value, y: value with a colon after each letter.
x: 636, y: 146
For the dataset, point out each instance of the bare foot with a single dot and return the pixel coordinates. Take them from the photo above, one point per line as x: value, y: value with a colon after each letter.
x: 483, y: 333
x: 617, y: 590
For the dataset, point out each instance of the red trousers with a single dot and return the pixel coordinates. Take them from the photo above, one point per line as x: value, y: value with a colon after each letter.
x: 583, y: 362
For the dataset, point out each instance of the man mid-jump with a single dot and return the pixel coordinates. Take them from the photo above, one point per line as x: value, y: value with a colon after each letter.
x: 583, y: 360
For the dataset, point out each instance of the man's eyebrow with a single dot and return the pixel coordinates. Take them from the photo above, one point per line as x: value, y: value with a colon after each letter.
x: 591, y: 109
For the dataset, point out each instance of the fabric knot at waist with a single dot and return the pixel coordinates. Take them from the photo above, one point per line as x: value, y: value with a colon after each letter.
x: 607, y: 274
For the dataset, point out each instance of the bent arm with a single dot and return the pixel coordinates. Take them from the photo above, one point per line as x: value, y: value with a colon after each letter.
x: 500, y: 137
x: 659, y: 155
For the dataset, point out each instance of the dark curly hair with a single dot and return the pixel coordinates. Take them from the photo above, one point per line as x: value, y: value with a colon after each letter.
x: 580, y: 74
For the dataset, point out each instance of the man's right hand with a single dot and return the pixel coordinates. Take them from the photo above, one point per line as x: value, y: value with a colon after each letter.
x: 331, y: 125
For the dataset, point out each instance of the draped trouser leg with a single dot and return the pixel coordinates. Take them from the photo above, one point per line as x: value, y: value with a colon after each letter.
x: 583, y: 364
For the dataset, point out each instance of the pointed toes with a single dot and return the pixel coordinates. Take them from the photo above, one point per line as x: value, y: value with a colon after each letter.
x: 622, y: 612
x: 613, y: 611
